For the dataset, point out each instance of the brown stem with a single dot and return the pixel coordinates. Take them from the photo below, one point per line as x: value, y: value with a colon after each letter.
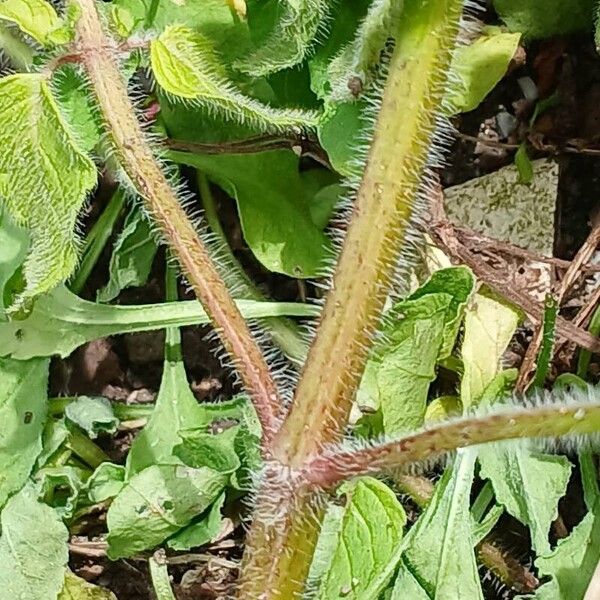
x: 146, y: 177
x: 550, y: 421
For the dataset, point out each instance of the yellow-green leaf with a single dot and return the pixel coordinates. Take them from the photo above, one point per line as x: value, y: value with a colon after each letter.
x: 36, y: 18
x: 186, y: 65
x: 44, y: 179
x: 76, y: 588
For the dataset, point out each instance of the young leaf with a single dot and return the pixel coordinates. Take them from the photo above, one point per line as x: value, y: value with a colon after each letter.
x: 295, y: 29
x: 366, y: 550
x: 186, y: 65
x: 44, y: 178
x: 33, y: 548
x: 132, y: 256
x: 36, y: 18
x: 60, y: 487
x: 106, y: 482
x: 23, y: 411
x: 156, y: 503
x: 93, y: 414
x: 61, y: 321
x: 443, y: 532
x: 76, y: 588
x: 276, y: 220
x: 480, y: 66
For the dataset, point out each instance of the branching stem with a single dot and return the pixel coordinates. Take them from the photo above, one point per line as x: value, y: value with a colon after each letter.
x: 146, y: 177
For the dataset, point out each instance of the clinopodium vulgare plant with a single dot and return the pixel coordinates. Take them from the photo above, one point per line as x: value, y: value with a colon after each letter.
x: 77, y: 103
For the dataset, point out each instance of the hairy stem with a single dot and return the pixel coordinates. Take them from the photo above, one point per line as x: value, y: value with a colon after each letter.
x: 549, y: 421
x: 144, y: 174
x: 278, y: 553
x: 378, y: 230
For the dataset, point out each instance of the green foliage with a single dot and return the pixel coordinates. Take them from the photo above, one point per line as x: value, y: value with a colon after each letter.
x: 76, y: 588
x: 43, y: 181
x: 37, y: 18
x: 93, y: 415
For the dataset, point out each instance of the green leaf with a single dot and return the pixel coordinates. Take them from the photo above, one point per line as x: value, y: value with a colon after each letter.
x: 185, y: 65
x: 14, y: 242
x: 489, y: 327
x: 276, y: 219
x: 60, y: 487
x: 93, y: 414
x: 544, y: 19
x: 44, y: 179
x: 23, y: 396
x: 61, y: 321
x: 36, y: 18
x: 366, y: 550
x: 528, y: 484
x: 201, y: 531
x: 176, y: 408
x: 156, y: 503
x: 76, y: 588
x: 105, y: 482
x: 480, y: 66
x: 439, y: 551
x: 55, y: 434
x: 293, y: 32
x: 217, y: 451
x: 132, y: 256
x: 524, y: 165
x: 419, y: 331
x: 33, y: 548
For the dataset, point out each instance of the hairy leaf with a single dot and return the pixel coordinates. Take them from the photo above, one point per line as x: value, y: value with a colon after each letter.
x: 61, y: 321
x: 439, y: 548
x: 293, y: 33
x: 36, y: 18
x: 544, y: 19
x: 480, y: 66
x: 14, y: 242
x: 44, y: 178
x: 186, y: 66
x: 132, y: 256
x: 93, y: 414
x: 76, y: 588
x: 33, y: 548
x: 275, y: 216
x: 23, y: 397
x: 156, y: 503
x: 368, y: 538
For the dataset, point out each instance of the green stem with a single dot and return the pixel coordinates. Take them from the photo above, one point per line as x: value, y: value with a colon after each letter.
x: 160, y: 576
x: 285, y: 333
x: 278, y: 552
x: 84, y: 448
x: 96, y: 240
x: 136, y: 157
x: 123, y: 412
x: 585, y: 356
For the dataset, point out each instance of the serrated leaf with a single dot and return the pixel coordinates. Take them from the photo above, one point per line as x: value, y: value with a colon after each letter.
x: 156, y: 503
x: 366, y: 550
x: 44, y: 178
x: 544, y: 19
x: 76, y: 588
x: 479, y: 66
x: 275, y: 215
x: 93, y: 414
x: 33, y: 548
x: 36, y: 18
x: 528, y: 484
x: 439, y: 551
x: 293, y: 33
x: 186, y: 65
x: 132, y: 256
x: 61, y: 321
x: 23, y: 396
x: 201, y: 531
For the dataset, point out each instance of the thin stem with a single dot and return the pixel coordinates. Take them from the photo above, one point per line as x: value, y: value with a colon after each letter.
x: 549, y: 421
x: 84, y: 448
x: 145, y: 175
x: 96, y: 240
x: 285, y: 333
